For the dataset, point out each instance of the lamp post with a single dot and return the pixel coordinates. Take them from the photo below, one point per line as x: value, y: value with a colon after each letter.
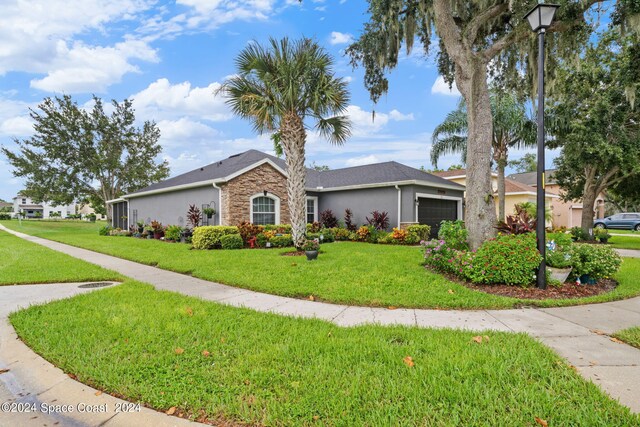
x: 540, y: 18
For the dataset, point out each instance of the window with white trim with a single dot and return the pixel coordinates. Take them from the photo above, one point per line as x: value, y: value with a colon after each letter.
x: 264, y: 210
x: 311, y: 209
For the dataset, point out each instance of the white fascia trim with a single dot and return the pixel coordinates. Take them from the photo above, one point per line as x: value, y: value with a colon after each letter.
x: 118, y: 200
x: 253, y: 166
x: 493, y: 174
x: 386, y: 184
x: 531, y: 193
x: 173, y: 188
x: 436, y: 196
x: 269, y: 195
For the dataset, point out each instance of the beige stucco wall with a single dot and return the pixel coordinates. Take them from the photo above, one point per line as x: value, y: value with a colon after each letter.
x: 569, y: 214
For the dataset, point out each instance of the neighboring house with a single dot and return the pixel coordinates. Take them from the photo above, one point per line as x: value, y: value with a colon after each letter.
x: 514, y: 192
x: 85, y: 210
x: 565, y: 214
x: 5, y: 205
x: 251, y: 186
x: 30, y: 209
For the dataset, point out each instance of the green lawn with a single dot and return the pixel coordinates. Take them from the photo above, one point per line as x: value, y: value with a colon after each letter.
x: 625, y: 242
x: 631, y: 336
x: 348, y: 273
x: 264, y: 369
x: 631, y: 232
x: 24, y: 262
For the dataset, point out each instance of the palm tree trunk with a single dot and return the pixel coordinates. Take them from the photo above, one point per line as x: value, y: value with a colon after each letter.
x: 500, y: 157
x: 293, y: 138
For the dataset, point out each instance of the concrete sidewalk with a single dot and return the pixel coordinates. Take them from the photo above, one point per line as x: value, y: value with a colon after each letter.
x: 579, y: 333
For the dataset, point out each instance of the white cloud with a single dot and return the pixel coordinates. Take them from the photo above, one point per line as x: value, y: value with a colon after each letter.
x: 340, y: 38
x: 363, y: 160
x: 348, y: 79
x: 364, y: 123
x: 399, y: 117
x: 163, y: 100
x: 185, y: 132
x: 17, y: 126
x: 441, y: 87
x: 83, y: 68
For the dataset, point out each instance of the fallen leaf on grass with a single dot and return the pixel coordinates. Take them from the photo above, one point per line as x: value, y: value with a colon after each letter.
x: 4, y: 371
x: 98, y: 393
x: 293, y: 264
x: 616, y: 340
x: 541, y: 422
x: 477, y: 339
x: 486, y: 338
x: 408, y: 361
x: 171, y: 411
x: 205, y: 353
x: 316, y: 417
x: 312, y: 298
x: 247, y: 382
x: 392, y: 307
x: 451, y: 291
x: 189, y: 311
x: 179, y: 350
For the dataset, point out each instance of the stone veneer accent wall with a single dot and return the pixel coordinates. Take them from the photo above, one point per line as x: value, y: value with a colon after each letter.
x: 236, y: 194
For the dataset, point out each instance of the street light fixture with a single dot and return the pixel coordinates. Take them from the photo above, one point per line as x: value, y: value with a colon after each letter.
x: 540, y: 18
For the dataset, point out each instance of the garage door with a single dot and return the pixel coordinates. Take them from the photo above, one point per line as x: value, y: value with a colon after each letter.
x: 432, y: 211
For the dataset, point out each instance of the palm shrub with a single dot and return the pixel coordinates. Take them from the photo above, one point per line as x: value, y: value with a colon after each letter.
x: 379, y: 220
x: 281, y: 88
x: 348, y: 221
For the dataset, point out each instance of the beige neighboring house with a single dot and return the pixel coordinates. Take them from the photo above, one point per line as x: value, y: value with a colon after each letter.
x: 85, y: 210
x: 515, y: 192
x: 565, y: 214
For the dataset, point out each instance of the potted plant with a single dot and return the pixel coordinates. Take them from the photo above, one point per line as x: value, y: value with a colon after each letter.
x: 92, y: 217
x: 311, y: 248
x: 158, y: 229
x: 601, y: 234
x: 185, y: 235
x: 209, y: 212
x: 558, y: 261
x: 140, y: 225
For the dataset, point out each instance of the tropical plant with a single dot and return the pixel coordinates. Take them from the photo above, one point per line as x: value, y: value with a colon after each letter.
x: 280, y: 88
x: 532, y: 210
x: 328, y: 219
x: 173, y: 233
x: 455, y: 234
x: 311, y: 245
x: 379, y: 220
x: 512, y: 128
x: 348, y: 221
x: 520, y: 223
x: 194, y: 216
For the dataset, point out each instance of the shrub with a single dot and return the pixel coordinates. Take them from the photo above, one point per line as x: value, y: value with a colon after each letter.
x: 157, y: 227
x: 173, y: 233
x: 348, y: 220
x: 341, y: 233
x: 598, y: 261
x: 208, y: 237
x: 263, y: 238
x: 379, y: 220
x: 363, y: 233
x: 399, y: 235
x: 119, y: 232
x: 419, y: 232
x: 194, y: 216
x: 231, y: 241
x: 314, y: 227
x: 578, y: 234
x: 248, y: 230
x: 601, y: 234
x: 5, y: 216
x: 412, y: 239
x: 279, y: 228
x: 386, y: 238
x: 560, y: 257
x: 455, y: 234
x: 510, y: 259
x: 328, y: 219
x: 327, y: 236
x: 559, y: 239
x: 104, y: 231
x: 520, y: 223
x: 281, y: 241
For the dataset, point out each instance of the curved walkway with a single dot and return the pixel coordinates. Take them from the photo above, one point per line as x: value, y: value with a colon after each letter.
x: 579, y: 334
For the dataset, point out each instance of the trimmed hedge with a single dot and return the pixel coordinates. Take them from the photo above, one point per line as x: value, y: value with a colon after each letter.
x: 208, y: 237
x: 231, y: 241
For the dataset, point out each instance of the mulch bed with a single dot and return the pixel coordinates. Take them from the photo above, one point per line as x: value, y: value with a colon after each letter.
x: 294, y: 253
x: 568, y: 290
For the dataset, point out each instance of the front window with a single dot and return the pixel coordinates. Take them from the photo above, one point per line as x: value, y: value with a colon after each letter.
x: 24, y: 201
x: 311, y: 209
x: 264, y: 210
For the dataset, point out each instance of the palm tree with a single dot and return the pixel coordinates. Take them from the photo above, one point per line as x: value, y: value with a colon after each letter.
x: 282, y: 88
x: 511, y: 129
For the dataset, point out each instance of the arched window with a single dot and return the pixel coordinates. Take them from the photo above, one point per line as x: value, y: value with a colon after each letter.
x: 265, y: 209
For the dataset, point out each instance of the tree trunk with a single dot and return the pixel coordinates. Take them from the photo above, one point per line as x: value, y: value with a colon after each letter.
x: 588, y: 201
x: 500, y: 156
x: 480, y: 214
x: 293, y: 138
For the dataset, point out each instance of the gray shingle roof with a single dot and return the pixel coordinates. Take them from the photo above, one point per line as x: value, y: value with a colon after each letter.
x: 530, y: 178
x: 357, y: 175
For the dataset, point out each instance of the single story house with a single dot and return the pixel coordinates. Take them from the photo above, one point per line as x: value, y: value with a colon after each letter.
x: 515, y: 192
x: 251, y: 186
x: 565, y: 214
x: 30, y: 209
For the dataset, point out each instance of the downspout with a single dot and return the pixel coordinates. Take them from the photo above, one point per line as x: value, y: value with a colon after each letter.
x: 219, y: 203
x: 399, y: 204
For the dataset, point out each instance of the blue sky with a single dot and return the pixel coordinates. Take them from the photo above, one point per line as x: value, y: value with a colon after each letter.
x: 169, y: 56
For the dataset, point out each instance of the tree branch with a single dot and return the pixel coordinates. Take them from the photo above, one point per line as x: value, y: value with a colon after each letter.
x: 449, y: 31
x: 477, y: 22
